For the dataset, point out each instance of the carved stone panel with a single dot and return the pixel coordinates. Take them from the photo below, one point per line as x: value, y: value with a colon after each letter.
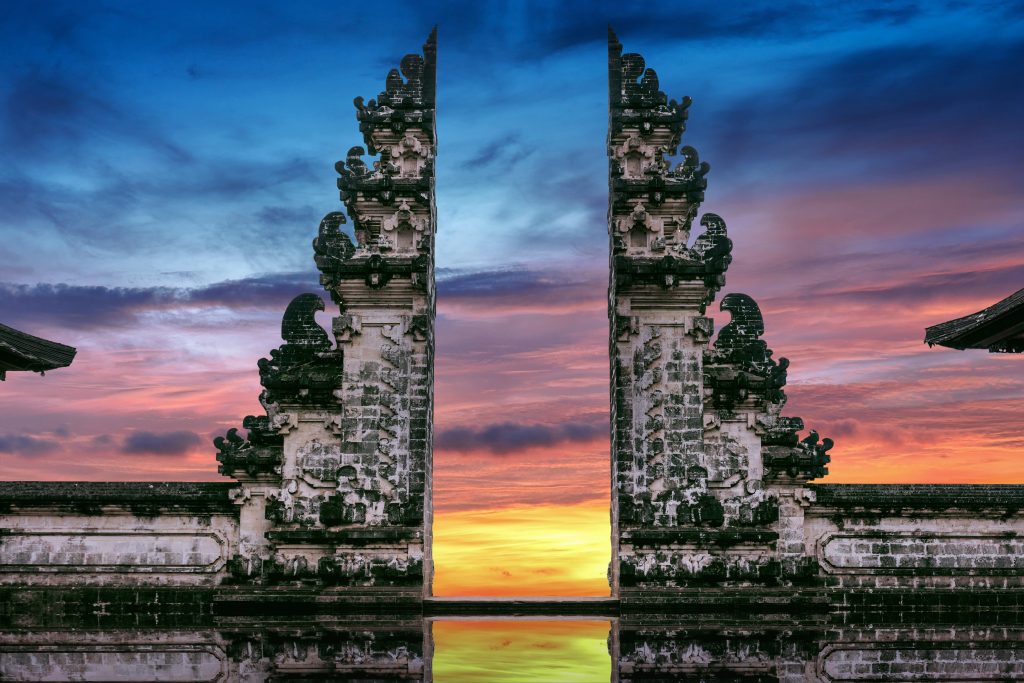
x: 111, y: 551
x: 921, y: 553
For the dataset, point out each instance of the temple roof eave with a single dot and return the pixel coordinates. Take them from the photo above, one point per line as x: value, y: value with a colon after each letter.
x: 20, y: 351
x: 1000, y: 327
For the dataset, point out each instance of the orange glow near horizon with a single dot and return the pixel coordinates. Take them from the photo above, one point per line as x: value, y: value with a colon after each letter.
x: 524, y: 550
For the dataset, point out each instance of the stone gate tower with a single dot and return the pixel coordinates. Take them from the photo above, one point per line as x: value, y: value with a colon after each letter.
x: 334, y: 482
x: 692, y: 424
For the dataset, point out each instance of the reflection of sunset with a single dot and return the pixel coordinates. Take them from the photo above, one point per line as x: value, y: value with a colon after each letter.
x: 523, y: 651
x: 527, y: 550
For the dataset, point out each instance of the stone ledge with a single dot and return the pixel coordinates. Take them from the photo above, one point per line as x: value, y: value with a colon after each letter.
x: 713, y: 603
x: 717, y: 537
x: 142, y: 497
x: 354, y: 536
x: 1006, y: 497
x: 293, y: 600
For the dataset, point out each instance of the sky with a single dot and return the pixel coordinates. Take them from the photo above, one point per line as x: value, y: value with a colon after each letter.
x: 166, y: 166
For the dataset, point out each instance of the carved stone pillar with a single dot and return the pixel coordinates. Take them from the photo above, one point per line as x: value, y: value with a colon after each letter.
x: 689, y: 505
x: 341, y: 464
x: 660, y: 284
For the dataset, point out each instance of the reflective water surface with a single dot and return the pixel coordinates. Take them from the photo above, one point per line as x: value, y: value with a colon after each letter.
x: 653, y: 648
x: 521, y: 650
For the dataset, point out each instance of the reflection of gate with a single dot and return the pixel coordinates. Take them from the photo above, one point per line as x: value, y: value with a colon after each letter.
x: 50, y: 645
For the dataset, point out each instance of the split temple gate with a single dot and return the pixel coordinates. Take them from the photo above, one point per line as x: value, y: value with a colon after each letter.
x: 328, y: 500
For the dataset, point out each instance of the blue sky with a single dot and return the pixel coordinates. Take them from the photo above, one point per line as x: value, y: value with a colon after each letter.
x: 188, y: 143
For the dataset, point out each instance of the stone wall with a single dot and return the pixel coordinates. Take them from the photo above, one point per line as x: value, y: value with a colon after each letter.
x: 59, y: 533
x: 916, y: 536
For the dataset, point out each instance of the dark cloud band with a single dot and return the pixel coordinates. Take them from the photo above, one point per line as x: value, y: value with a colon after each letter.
x: 160, y: 443
x: 507, y: 438
x: 89, y: 307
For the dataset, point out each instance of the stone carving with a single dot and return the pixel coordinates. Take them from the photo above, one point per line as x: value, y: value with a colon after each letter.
x: 713, y: 247
x: 359, y: 568
x: 740, y: 373
x: 369, y: 570
x: 304, y: 369
x: 259, y: 453
x: 331, y: 245
x: 636, y: 101
x: 319, y: 463
x: 696, y: 568
x: 407, y: 100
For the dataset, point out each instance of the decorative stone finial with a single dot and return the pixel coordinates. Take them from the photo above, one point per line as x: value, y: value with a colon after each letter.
x: 635, y: 98
x: 304, y: 369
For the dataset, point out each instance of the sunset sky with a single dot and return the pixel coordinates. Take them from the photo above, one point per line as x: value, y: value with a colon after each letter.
x: 165, y: 167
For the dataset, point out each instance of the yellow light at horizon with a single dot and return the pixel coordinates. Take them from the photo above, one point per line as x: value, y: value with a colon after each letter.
x: 523, y: 550
x: 521, y: 651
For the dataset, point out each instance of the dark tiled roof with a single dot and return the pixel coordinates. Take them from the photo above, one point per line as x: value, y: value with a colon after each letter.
x: 921, y: 496
x: 199, y: 496
x: 20, y: 351
x: 1000, y: 327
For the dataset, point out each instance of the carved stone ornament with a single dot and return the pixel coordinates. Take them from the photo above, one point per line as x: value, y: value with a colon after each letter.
x: 305, y: 369
x: 318, y: 462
